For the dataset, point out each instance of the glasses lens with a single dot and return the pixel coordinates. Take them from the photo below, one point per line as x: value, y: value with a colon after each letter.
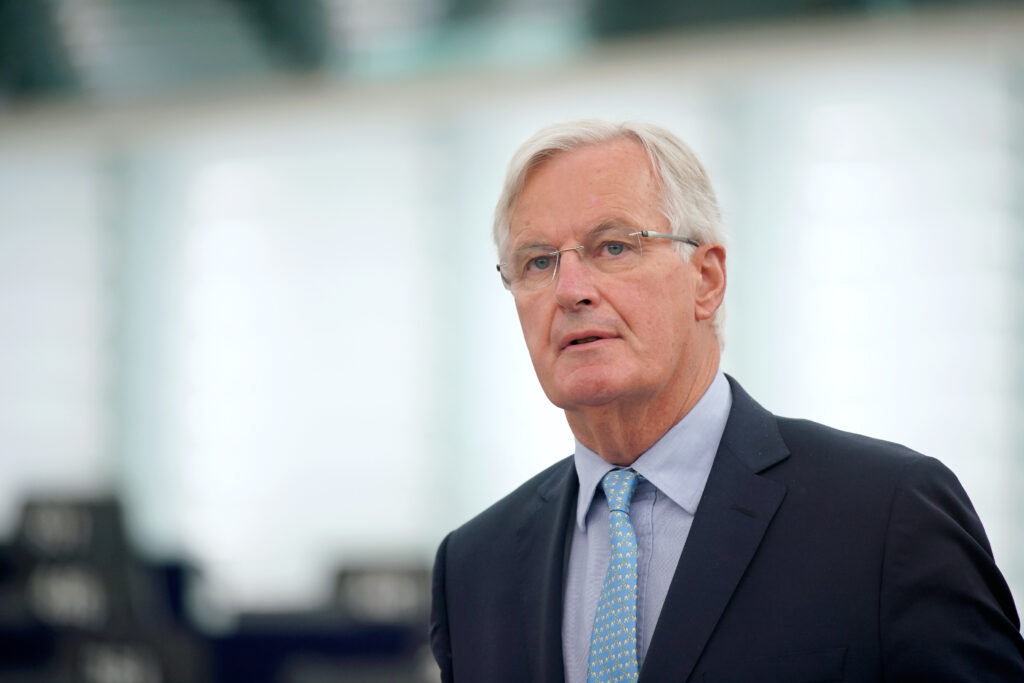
x: 613, y: 251
x: 530, y: 268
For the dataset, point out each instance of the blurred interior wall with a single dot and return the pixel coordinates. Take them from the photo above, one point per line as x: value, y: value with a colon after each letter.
x: 272, y: 322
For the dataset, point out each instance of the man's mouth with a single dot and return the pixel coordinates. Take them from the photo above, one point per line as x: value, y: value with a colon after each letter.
x: 584, y: 336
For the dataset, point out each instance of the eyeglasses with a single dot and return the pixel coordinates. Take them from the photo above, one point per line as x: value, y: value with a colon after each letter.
x: 606, y: 251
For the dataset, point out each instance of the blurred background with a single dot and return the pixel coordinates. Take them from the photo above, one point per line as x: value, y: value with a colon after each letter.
x: 255, y: 360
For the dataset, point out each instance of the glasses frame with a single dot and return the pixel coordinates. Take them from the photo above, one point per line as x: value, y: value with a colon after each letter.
x: 557, y: 254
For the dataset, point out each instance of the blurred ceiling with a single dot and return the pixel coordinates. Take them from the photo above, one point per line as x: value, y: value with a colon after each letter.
x: 115, y: 49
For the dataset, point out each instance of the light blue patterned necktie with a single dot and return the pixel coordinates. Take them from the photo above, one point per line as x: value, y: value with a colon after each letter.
x: 613, y: 654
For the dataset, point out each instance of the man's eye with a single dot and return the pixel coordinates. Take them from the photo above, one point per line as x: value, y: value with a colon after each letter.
x: 539, y: 263
x: 613, y: 249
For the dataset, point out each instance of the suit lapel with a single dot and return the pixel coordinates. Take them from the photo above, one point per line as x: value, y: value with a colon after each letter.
x: 734, y: 512
x: 542, y: 547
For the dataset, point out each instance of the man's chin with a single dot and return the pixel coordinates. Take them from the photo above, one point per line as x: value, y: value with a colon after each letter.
x: 587, y: 393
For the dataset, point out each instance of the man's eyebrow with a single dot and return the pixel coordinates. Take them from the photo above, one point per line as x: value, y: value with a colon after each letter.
x: 611, y: 224
x: 607, y: 225
x: 531, y: 245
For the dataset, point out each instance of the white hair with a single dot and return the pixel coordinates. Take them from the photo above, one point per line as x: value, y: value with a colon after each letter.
x: 686, y: 196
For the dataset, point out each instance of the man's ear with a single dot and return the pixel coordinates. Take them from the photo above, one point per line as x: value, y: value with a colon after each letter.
x: 709, y: 262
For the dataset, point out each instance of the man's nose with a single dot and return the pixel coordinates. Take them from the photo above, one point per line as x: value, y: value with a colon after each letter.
x: 574, y: 280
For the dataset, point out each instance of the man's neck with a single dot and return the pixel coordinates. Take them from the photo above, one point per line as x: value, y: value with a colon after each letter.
x: 621, y: 431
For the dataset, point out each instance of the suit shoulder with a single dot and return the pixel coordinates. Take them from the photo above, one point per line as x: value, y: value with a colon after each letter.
x: 869, y: 473
x: 807, y: 438
x: 857, y: 461
x: 505, y: 514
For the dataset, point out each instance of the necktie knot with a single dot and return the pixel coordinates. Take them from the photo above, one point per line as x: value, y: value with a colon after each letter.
x: 618, y: 488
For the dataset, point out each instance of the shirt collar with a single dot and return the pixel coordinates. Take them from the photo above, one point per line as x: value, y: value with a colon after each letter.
x: 678, y: 464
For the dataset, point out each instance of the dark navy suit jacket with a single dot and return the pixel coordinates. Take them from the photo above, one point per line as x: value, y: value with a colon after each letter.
x: 815, y: 555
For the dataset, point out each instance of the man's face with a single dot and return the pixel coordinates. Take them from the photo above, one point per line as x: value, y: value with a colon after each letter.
x: 635, y: 331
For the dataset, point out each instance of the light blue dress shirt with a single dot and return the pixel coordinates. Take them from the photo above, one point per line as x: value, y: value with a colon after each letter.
x: 674, y: 470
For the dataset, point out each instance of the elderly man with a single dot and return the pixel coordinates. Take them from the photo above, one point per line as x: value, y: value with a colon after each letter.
x: 693, y: 535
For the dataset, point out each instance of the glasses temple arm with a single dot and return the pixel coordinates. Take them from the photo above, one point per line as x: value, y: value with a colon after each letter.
x: 665, y: 235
